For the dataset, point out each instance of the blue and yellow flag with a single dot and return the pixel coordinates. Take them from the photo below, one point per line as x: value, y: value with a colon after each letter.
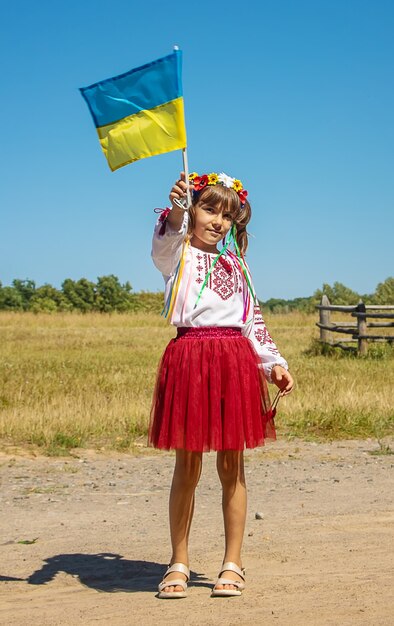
x: 140, y: 113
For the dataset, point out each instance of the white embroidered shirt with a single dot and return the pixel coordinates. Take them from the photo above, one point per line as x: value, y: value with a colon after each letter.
x: 222, y: 300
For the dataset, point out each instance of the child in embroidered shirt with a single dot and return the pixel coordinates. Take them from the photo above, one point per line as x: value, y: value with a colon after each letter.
x: 211, y: 391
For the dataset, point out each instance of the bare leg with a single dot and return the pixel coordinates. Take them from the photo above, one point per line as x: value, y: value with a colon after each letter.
x: 230, y: 466
x: 187, y: 473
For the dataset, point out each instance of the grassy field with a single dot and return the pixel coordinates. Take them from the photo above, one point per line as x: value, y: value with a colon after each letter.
x: 71, y: 380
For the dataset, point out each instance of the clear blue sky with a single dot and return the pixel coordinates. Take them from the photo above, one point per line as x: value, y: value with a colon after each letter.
x: 294, y: 97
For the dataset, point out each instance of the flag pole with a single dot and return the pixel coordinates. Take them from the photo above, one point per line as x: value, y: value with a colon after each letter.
x: 186, y: 170
x: 185, y: 164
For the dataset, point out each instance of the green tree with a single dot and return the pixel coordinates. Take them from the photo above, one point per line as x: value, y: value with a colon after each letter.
x: 10, y: 299
x: 26, y: 289
x: 147, y: 301
x: 337, y: 294
x: 111, y: 295
x: 384, y: 292
x: 49, y: 299
x: 80, y: 294
x: 279, y: 305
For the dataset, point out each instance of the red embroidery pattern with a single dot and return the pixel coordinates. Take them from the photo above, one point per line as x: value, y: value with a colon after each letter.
x: 262, y: 335
x: 199, y: 268
x: 223, y: 282
x: 223, y: 279
x: 258, y: 318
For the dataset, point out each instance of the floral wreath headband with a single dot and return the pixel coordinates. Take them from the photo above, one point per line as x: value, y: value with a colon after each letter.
x: 200, y: 182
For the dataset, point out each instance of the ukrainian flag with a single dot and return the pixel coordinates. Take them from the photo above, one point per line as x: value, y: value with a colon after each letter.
x: 140, y: 113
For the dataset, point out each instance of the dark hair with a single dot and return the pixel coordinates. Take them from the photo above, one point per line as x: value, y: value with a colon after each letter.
x: 228, y: 200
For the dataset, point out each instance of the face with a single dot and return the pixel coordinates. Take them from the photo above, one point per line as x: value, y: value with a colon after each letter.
x: 211, y: 225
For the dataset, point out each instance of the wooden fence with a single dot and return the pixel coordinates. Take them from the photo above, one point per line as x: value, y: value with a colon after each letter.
x: 358, y: 328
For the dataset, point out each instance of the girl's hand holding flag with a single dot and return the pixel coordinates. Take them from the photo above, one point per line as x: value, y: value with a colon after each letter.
x: 178, y: 192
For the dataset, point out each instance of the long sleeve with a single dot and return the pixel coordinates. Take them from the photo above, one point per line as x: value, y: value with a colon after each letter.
x: 256, y: 331
x: 167, y: 245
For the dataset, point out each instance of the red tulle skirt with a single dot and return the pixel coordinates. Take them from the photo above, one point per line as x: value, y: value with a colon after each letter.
x: 210, y: 393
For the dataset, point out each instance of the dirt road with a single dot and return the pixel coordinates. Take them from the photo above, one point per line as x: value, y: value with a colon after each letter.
x: 322, y: 553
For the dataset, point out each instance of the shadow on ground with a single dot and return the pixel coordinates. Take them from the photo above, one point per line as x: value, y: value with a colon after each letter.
x: 106, y: 572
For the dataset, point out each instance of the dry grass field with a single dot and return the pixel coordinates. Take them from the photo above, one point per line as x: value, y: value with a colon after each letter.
x: 74, y: 380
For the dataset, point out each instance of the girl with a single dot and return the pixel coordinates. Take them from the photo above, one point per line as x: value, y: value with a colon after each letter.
x: 211, y: 391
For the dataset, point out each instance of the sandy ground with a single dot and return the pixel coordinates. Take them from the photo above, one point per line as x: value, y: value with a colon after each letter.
x: 322, y: 553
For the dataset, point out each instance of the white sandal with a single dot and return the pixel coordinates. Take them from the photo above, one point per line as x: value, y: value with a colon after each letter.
x: 176, y: 567
x: 239, y: 584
